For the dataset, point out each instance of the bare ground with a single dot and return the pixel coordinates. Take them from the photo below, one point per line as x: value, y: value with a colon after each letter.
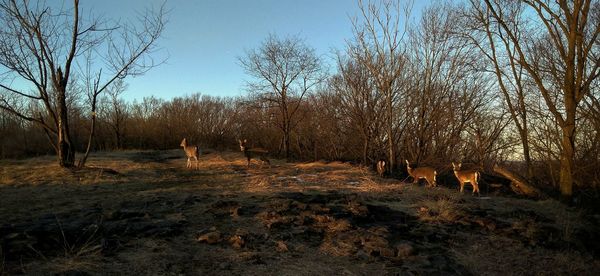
x: 143, y: 212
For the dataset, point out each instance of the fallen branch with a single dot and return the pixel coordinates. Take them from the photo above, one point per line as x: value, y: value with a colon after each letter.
x: 518, y: 184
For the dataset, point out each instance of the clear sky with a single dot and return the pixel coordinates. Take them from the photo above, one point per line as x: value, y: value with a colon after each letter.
x: 204, y: 38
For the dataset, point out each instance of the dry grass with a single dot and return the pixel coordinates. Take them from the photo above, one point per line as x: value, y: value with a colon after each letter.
x: 226, y: 195
x: 443, y: 209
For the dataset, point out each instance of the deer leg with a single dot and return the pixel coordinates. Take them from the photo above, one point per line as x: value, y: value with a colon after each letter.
x: 462, y: 186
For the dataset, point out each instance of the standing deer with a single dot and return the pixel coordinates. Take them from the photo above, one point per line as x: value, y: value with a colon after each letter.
x: 426, y: 173
x: 190, y: 152
x: 250, y: 153
x: 381, y: 167
x: 464, y: 176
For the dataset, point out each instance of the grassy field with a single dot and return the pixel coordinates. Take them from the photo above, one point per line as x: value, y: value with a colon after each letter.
x: 143, y: 212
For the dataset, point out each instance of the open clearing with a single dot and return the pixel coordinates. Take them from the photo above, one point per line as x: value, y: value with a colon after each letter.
x: 143, y: 212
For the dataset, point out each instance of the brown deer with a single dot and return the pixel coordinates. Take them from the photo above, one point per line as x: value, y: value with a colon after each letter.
x: 427, y: 173
x: 192, y: 152
x: 250, y: 153
x: 465, y: 176
x: 381, y: 167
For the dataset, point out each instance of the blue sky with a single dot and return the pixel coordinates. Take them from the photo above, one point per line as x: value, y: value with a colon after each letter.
x: 204, y: 39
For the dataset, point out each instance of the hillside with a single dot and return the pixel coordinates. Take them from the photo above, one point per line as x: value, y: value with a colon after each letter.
x: 143, y: 212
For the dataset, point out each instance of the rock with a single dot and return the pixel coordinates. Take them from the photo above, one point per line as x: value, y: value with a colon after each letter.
x: 210, y: 237
x: 281, y: 247
x: 405, y: 250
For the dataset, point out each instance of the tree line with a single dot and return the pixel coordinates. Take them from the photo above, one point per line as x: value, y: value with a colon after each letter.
x: 481, y: 81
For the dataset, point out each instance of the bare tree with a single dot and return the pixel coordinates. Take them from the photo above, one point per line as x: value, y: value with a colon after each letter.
x: 447, y: 89
x: 379, y: 45
x: 116, y: 111
x: 511, y: 76
x: 40, y: 45
x: 285, y: 71
x: 359, y: 101
x: 562, y: 60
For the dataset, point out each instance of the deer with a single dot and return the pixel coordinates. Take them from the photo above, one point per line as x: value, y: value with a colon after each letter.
x: 465, y: 176
x: 381, y: 167
x: 427, y: 173
x: 250, y: 153
x: 192, y: 152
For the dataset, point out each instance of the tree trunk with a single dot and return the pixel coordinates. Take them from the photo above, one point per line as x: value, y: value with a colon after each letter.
x: 66, y: 152
x: 526, y: 154
x: 567, y: 156
x: 286, y: 143
x: 389, y: 132
x: 365, y: 152
x: 566, y: 163
x: 118, y: 137
x: 90, y: 140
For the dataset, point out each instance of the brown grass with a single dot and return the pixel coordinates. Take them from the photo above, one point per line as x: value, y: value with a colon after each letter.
x: 446, y: 209
x: 318, y: 210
